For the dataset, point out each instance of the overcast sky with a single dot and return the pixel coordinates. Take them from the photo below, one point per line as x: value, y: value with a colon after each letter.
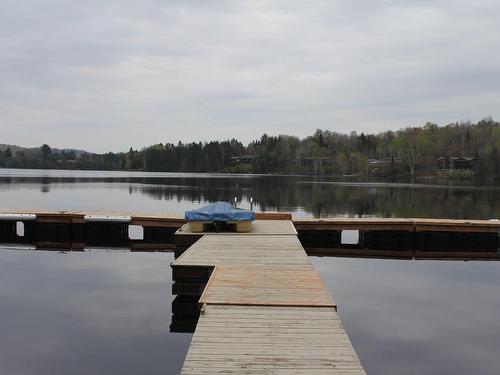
x: 107, y: 75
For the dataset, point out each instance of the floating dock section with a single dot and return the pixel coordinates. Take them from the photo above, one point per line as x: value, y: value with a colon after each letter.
x: 405, y: 236
x: 402, y: 234
x: 87, y: 227
x: 264, y: 308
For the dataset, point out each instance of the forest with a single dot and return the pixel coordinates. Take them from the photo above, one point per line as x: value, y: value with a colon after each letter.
x: 421, y: 151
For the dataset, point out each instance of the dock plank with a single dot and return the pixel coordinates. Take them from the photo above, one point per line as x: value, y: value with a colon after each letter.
x: 447, y: 225
x: 245, y: 250
x: 271, y: 286
x: 265, y: 310
x: 358, y: 223
x: 313, y: 343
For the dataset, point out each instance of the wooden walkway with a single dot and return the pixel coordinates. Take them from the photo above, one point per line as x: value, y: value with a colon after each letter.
x: 245, y: 250
x: 267, y: 286
x: 265, y: 309
x: 233, y: 339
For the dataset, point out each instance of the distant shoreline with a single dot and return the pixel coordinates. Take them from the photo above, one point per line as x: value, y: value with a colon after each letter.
x: 456, y: 151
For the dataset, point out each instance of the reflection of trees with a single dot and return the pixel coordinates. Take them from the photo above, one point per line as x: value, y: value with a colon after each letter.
x: 312, y: 195
x: 323, y: 199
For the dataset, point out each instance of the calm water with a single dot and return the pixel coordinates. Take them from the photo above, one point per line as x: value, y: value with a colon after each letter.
x: 109, y: 312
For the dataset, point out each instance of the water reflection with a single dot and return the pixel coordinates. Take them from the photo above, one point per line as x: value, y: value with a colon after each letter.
x: 418, y: 317
x: 307, y: 196
x: 109, y: 310
x: 87, y: 313
x: 105, y: 310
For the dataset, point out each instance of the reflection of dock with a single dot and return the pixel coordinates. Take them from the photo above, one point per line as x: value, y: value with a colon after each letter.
x: 264, y: 308
x: 407, y: 254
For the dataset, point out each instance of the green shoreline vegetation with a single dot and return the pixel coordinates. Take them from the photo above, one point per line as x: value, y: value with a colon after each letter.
x: 413, y: 152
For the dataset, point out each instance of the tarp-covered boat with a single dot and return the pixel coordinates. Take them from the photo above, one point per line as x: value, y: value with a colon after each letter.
x: 219, y: 211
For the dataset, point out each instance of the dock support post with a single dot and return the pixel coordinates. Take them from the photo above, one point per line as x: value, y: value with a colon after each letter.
x: 8, y: 230
x: 453, y: 241
x: 51, y: 232
x: 188, y: 286
x: 386, y: 240
x: 159, y: 234
x: 105, y: 233
x: 320, y: 238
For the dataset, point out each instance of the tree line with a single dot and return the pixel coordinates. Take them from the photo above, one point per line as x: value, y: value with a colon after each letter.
x: 412, y: 151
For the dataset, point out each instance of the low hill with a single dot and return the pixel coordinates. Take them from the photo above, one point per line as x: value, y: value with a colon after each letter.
x: 15, y: 148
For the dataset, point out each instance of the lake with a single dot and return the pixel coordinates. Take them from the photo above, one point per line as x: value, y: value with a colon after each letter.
x: 109, y: 312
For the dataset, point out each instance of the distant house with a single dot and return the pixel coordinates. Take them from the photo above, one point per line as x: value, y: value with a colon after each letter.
x: 443, y: 162
x: 376, y: 167
x: 381, y: 168
x: 456, y: 162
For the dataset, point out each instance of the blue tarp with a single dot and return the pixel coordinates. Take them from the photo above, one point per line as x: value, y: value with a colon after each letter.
x: 219, y: 211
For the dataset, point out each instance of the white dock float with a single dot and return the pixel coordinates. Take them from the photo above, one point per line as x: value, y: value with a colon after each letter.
x: 16, y: 217
x: 107, y: 219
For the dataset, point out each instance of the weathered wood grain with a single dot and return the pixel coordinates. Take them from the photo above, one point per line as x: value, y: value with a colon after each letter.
x: 265, y: 309
x: 245, y: 250
x: 270, y: 340
x: 271, y: 286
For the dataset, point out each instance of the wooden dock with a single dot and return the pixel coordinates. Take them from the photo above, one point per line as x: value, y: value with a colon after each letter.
x: 232, y: 339
x: 80, y: 229
x: 264, y: 309
x: 147, y: 219
x: 398, y: 224
x: 400, y: 234
x: 175, y: 220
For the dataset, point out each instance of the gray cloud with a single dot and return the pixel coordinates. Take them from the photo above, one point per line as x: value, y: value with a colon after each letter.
x: 107, y: 75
